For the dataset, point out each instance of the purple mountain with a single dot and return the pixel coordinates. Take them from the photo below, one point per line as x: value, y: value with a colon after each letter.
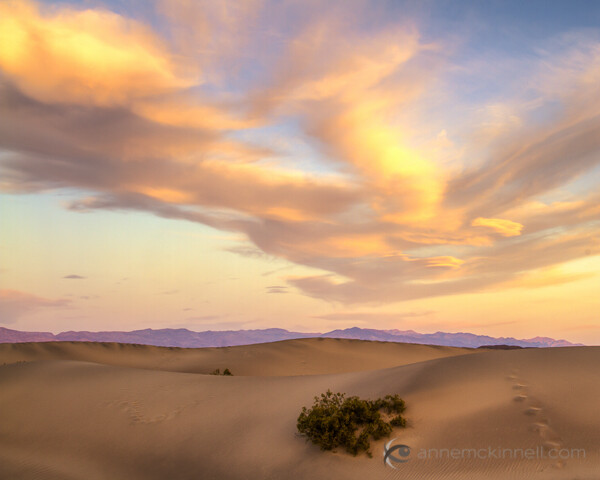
x: 443, y: 338
x: 181, y: 337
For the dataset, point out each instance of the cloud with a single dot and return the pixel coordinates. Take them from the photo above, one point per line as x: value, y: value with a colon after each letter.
x: 506, y: 228
x: 281, y: 269
x: 545, y: 277
x: 369, y: 317
x: 514, y: 175
x: 248, y: 252
x: 74, y: 277
x: 390, y: 204
x: 204, y: 318
x: 83, y: 56
x: 64, y: 146
x: 539, y: 157
x: 489, y: 267
x: 277, y: 289
x: 14, y: 304
x: 347, y: 91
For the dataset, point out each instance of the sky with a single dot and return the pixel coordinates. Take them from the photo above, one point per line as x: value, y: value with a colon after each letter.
x: 308, y: 165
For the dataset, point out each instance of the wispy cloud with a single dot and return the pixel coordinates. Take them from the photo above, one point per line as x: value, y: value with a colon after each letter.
x: 169, y: 292
x: 396, y: 209
x: 371, y: 317
x: 14, y: 304
x: 277, y: 289
x: 506, y: 228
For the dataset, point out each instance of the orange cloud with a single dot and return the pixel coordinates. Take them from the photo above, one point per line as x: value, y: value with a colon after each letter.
x: 184, y: 113
x: 163, y: 194
x: 88, y: 57
x: 354, y: 246
x: 447, y: 262
x: 350, y: 109
x: 506, y: 228
x: 287, y: 214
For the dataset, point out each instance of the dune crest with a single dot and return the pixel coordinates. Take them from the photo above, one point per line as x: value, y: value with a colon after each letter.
x: 307, y: 356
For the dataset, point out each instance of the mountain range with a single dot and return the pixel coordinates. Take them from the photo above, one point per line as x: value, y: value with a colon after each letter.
x: 182, y: 337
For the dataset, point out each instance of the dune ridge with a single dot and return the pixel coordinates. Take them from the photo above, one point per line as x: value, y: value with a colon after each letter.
x: 308, y: 356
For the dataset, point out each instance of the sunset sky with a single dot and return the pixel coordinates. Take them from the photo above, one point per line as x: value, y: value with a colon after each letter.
x: 309, y: 165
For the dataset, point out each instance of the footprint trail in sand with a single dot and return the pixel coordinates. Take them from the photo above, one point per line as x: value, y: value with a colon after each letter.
x: 532, y: 407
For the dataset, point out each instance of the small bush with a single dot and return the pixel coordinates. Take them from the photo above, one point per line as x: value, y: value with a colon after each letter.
x: 226, y: 372
x: 337, y: 421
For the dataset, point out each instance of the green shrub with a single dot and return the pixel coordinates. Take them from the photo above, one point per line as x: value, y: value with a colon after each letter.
x: 226, y: 372
x: 337, y: 421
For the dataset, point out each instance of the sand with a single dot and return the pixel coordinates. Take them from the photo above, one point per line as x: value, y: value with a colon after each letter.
x: 107, y: 411
x: 308, y: 356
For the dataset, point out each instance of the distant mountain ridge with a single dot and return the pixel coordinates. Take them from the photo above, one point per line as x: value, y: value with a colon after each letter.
x: 182, y: 337
x: 444, y: 338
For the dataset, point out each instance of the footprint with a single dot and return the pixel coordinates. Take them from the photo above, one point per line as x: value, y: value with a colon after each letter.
x: 549, y: 444
x: 520, y: 398
x: 550, y: 435
x: 540, y: 426
x: 532, y: 411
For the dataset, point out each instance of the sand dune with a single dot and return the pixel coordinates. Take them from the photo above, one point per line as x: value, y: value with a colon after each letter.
x: 307, y: 356
x: 69, y: 419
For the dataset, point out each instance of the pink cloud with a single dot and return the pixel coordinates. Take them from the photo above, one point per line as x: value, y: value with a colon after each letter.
x: 14, y: 304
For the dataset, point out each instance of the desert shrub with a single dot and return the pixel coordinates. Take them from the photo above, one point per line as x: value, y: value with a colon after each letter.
x: 226, y: 372
x: 350, y: 422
